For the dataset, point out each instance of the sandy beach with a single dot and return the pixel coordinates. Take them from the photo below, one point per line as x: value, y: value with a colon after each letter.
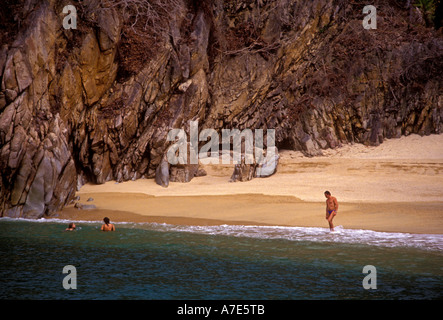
x: 395, y: 187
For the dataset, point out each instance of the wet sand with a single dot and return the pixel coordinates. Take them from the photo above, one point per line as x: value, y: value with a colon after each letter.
x: 395, y: 187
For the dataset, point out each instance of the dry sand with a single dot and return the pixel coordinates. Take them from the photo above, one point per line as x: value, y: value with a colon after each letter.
x: 395, y: 187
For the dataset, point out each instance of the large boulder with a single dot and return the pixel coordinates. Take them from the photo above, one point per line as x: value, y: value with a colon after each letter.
x: 162, y: 173
x: 264, y: 166
x: 269, y: 164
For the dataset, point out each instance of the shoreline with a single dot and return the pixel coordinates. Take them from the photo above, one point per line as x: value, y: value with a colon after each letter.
x: 395, y: 187
x: 404, y: 217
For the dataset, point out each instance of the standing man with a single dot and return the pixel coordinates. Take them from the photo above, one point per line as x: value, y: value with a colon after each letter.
x: 331, y: 208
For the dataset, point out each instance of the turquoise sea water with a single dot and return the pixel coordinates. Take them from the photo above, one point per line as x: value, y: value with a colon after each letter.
x: 159, y: 261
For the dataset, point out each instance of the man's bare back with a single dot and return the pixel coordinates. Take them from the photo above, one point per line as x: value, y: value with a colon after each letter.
x: 107, y: 226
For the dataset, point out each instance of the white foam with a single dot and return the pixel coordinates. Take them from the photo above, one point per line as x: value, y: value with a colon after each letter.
x: 340, y: 235
x: 314, y: 234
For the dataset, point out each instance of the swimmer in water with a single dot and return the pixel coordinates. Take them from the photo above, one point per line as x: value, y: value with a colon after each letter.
x: 107, y: 226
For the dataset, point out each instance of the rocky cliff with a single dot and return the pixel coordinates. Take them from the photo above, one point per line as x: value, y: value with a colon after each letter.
x: 95, y: 103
